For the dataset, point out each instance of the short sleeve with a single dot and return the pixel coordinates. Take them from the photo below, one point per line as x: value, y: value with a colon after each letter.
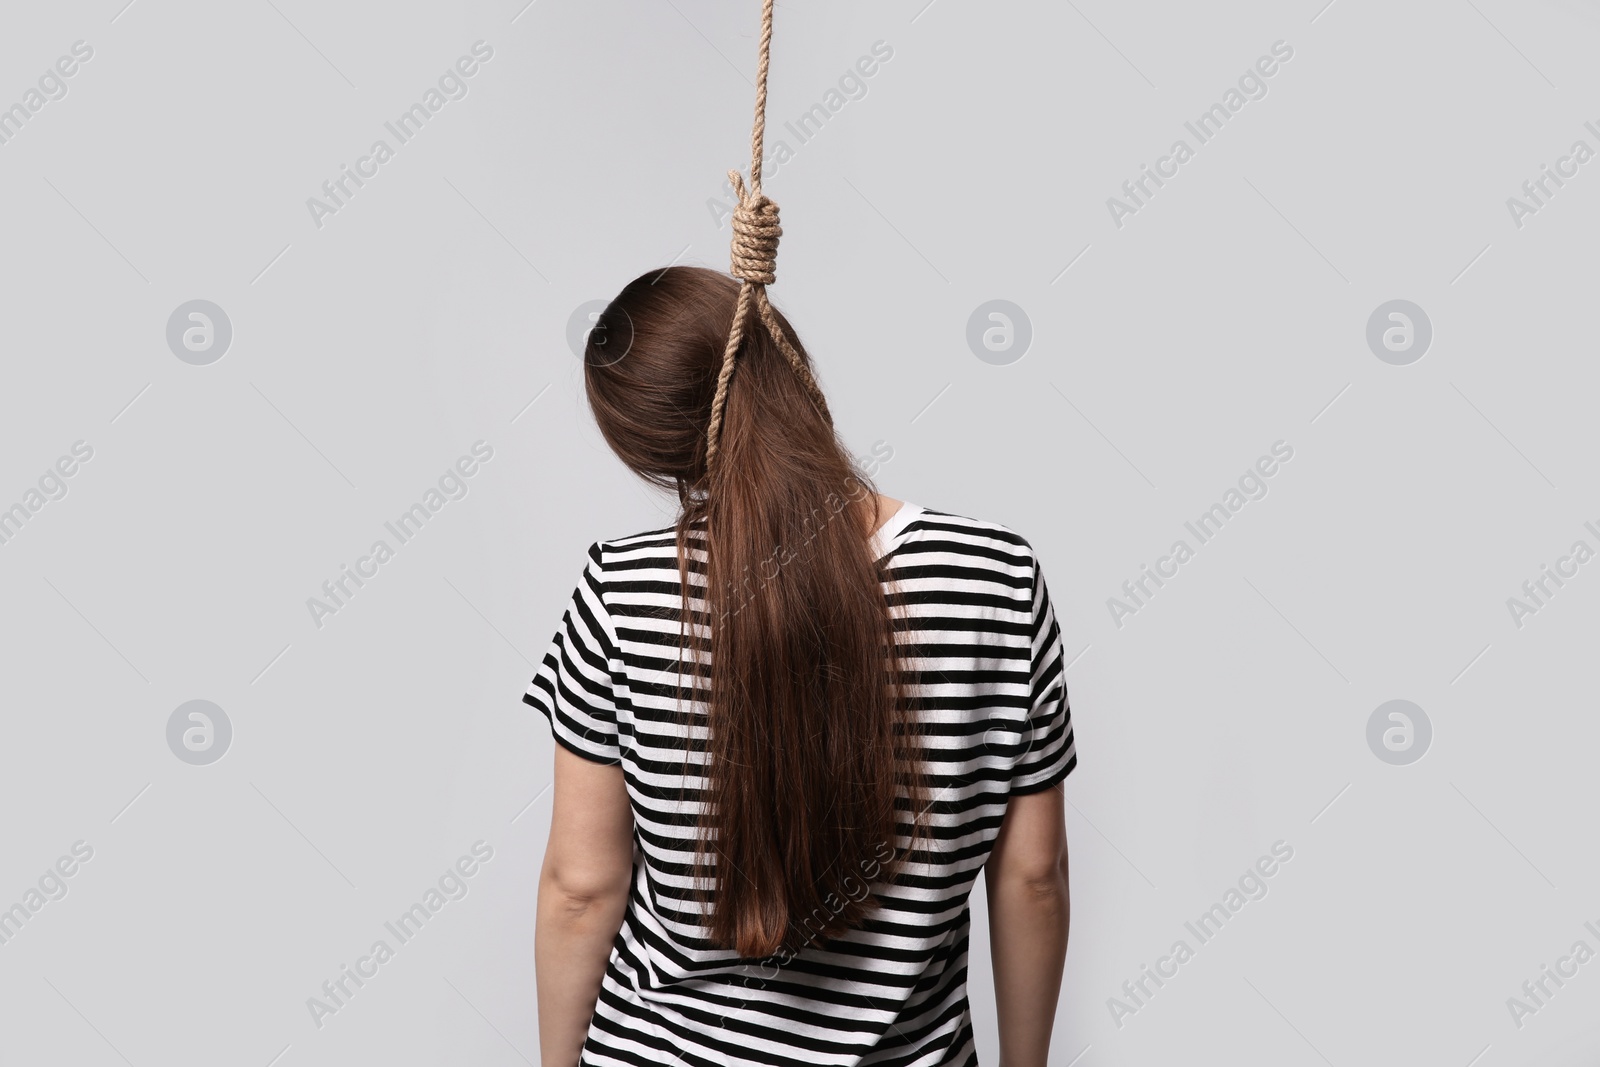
x: 573, y: 686
x: 1050, y: 754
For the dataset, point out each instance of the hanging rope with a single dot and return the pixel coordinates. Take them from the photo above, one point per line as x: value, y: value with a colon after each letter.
x: 754, y: 259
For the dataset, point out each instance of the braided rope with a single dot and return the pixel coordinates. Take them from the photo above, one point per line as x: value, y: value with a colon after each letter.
x: 754, y: 260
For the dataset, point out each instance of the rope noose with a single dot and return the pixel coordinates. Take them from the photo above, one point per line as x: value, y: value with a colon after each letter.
x: 754, y: 259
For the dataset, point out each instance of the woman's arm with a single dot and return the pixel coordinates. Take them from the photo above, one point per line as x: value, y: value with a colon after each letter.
x: 1029, y: 908
x: 583, y: 894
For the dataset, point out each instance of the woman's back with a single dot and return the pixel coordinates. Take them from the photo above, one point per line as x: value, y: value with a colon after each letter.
x: 984, y: 658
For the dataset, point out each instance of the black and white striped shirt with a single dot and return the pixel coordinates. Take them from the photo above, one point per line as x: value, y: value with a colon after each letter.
x: 981, y: 637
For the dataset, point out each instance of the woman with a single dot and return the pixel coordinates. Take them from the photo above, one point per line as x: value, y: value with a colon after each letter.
x: 791, y: 730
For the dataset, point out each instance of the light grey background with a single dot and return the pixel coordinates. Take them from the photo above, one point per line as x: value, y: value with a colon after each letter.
x: 1167, y: 354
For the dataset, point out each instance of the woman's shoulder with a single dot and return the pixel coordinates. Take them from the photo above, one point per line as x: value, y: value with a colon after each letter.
x: 935, y: 529
x: 637, y: 549
x: 957, y: 529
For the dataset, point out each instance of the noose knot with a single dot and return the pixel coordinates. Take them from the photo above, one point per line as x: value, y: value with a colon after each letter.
x: 755, y: 262
x: 754, y: 254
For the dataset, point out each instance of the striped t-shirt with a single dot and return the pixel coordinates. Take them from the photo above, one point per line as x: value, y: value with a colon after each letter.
x: 981, y: 640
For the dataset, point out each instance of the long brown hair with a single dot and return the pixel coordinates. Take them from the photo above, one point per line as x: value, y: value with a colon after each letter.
x: 812, y: 759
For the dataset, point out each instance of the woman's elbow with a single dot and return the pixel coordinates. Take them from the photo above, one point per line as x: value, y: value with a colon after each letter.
x: 577, y: 890
x: 1047, y: 889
